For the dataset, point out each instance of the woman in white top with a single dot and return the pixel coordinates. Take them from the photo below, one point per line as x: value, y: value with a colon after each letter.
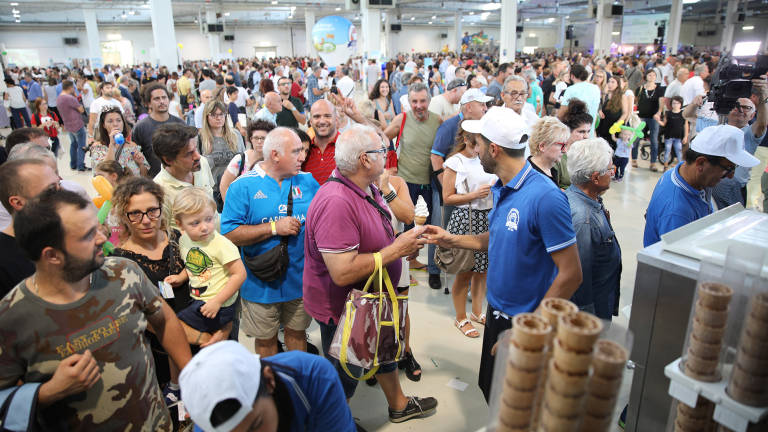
x: 395, y: 193
x: 561, y: 83
x: 18, y: 105
x: 466, y: 184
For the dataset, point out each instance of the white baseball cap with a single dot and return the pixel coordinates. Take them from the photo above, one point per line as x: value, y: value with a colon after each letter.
x: 224, y: 370
x: 474, y: 95
x: 502, y: 126
x: 726, y: 141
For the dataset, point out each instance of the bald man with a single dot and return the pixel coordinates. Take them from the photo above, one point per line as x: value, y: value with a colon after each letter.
x: 273, y: 104
x: 322, y: 151
x: 205, y: 96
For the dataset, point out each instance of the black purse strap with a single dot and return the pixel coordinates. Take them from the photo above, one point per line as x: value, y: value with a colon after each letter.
x: 284, y: 239
x: 384, y: 213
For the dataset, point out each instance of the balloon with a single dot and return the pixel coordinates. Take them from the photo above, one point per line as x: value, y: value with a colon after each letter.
x: 616, y: 128
x: 229, y: 50
x: 104, y: 189
x: 335, y: 39
x: 181, y: 46
x: 636, y: 132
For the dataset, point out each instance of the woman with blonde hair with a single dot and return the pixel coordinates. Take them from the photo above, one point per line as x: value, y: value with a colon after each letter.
x: 548, y: 143
x: 219, y: 143
x: 599, y: 78
x: 613, y: 108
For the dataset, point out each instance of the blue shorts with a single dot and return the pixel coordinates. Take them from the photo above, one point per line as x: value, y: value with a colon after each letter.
x: 192, y: 317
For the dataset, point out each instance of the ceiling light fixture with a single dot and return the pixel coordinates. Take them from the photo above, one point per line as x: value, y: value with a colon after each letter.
x: 131, y: 12
x: 413, y: 18
x: 434, y: 16
x: 338, y: 8
x: 226, y: 13
x: 14, y: 4
x: 615, y: 33
x: 527, y: 19
x: 430, y: 23
x: 274, y: 2
x: 749, y: 27
x: 15, y: 11
x: 491, y: 6
x: 484, y: 15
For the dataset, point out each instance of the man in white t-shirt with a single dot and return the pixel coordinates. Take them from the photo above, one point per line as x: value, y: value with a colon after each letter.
x: 582, y: 90
x: 97, y: 106
x: 343, y: 82
x: 450, y: 71
x: 695, y: 85
x: 446, y: 105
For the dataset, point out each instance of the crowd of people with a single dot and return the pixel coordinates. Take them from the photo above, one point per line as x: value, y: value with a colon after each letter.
x: 253, y: 195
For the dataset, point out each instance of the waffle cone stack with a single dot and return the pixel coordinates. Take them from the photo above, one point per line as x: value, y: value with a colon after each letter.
x: 527, y: 352
x: 749, y: 379
x: 565, y: 388
x: 705, y: 341
x: 608, y: 366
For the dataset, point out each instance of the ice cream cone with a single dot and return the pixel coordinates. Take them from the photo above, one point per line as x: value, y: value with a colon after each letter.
x: 609, y: 359
x: 419, y: 220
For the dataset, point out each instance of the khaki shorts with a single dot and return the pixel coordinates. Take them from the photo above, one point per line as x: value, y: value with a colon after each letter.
x: 262, y: 320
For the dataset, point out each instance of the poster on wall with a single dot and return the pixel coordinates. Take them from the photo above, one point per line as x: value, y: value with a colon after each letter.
x: 335, y: 39
x: 22, y: 57
x: 641, y: 29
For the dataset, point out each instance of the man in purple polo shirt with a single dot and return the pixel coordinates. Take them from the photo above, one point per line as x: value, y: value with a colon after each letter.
x: 347, y: 223
x: 72, y: 115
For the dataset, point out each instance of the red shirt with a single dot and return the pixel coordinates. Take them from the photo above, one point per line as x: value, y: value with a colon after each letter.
x: 51, y: 131
x: 321, y: 163
x: 296, y: 92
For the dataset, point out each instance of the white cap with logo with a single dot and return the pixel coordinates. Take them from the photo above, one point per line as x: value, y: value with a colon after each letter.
x: 501, y: 126
x: 224, y: 370
x: 474, y: 95
x: 726, y: 141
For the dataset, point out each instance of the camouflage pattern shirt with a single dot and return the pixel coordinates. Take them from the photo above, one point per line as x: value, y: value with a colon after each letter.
x: 110, y: 321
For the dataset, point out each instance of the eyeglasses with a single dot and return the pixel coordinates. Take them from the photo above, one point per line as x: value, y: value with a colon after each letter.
x: 515, y: 94
x: 217, y: 116
x: 381, y: 150
x: 744, y: 108
x: 137, y: 216
x: 563, y: 146
x: 258, y: 138
x: 728, y: 169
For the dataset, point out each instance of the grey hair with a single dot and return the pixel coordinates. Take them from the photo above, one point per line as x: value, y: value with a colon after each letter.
x: 350, y: 145
x: 529, y: 74
x: 699, y: 68
x: 547, y: 130
x: 515, y: 78
x: 588, y: 156
x: 275, y: 140
x: 405, y: 78
x: 418, y: 87
x: 30, y: 151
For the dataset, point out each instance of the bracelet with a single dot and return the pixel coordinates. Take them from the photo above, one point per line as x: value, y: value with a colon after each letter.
x: 438, y: 172
x: 274, y: 228
x: 390, y: 196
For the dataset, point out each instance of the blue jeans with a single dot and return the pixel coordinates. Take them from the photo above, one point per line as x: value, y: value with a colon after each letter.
x: 20, y: 118
x: 428, y: 192
x: 675, y: 143
x: 653, y: 127
x: 77, y: 149
x: 348, y: 383
x: 437, y: 219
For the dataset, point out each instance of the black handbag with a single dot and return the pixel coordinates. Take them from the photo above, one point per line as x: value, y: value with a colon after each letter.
x: 272, y: 264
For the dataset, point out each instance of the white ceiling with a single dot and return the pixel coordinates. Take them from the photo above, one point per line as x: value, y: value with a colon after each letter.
x: 260, y: 12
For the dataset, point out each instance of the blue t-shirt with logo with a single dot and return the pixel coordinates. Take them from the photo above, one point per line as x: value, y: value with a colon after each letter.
x: 674, y: 203
x: 317, y: 398
x: 255, y: 198
x: 530, y: 220
x: 445, y: 137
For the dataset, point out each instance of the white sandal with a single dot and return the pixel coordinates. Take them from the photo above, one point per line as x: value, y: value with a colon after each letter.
x: 469, y: 332
x: 478, y: 319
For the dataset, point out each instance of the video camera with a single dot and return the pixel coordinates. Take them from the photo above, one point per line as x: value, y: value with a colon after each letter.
x: 733, y: 80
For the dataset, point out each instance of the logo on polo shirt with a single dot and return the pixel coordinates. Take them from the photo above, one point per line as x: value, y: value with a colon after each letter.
x: 260, y: 195
x: 513, y: 218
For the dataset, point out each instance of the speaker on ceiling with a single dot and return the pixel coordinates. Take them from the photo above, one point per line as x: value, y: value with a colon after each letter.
x: 229, y: 37
x: 519, y: 29
x: 617, y: 10
x: 569, y: 32
x: 660, y: 31
x: 576, y: 43
x: 396, y: 27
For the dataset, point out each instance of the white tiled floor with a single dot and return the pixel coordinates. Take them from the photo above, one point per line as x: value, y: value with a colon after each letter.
x: 444, y: 353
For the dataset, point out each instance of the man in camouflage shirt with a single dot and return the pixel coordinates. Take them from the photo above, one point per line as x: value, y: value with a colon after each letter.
x: 77, y: 325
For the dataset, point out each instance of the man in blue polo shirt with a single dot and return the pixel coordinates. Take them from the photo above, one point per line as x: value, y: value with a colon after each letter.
x: 679, y: 197
x: 473, y: 107
x: 263, y: 206
x: 531, y: 243
x: 226, y: 388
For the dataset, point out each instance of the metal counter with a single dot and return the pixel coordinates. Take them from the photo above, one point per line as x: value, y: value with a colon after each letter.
x: 664, y: 289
